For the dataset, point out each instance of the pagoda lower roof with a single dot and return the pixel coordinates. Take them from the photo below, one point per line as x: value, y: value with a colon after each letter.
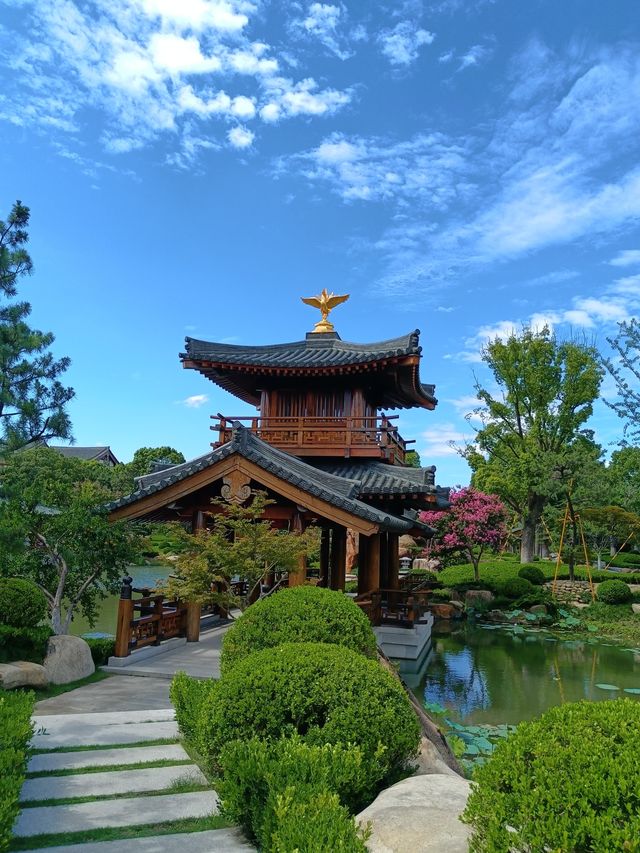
x: 241, y: 369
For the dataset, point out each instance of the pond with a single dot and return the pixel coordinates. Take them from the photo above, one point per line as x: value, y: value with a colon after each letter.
x: 143, y: 576
x: 487, y: 675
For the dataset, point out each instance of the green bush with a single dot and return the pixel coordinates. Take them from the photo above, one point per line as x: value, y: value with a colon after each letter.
x: 614, y: 592
x: 102, y: 648
x: 425, y: 575
x: 15, y: 733
x: 443, y: 594
x: 496, y: 570
x: 299, y: 614
x: 325, y: 693
x: 314, y: 825
x: 351, y: 586
x: 24, y: 643
x: 188, y: 697
x: 515, y: 587
x: 260, y: 776
x: 533, y: 574
x: 22, y: 603
x: 569, y: 781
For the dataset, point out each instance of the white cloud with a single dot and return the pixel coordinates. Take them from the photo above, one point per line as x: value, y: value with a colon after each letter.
x: 240, y: 137
x: 199, y: 14
x: 437, y: 441
x: 180, y: 55
x: 196, y: 401
x: 626, y: 258
x: 401, y: 45
x: 323, y: 22
x: 474, y: 56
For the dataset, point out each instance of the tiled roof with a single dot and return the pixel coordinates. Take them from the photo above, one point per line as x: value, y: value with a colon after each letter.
x: 382, y: 479
x: 338, y: 491
x: 86, y: 453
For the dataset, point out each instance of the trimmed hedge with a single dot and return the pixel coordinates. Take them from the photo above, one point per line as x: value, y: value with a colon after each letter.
x: 289, y: 795
x: 496, y: 570
x: 299, y: 614
x: 187, y: 697
x: 16, y: 730
x: 515, y: 587
x: 24, y: 643
x: 102, y: 648
x: 22, y: 603
x: 569, y: 780
x: 614, y: 592
x: 324, y: 693
x: 533, y: 574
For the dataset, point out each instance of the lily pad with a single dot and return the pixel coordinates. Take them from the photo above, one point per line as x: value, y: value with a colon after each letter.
x: 607, y: 687
x: 634, y: 690
x: 434, y: 708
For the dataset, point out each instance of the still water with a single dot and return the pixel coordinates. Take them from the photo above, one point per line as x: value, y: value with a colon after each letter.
x: 143, y: 576
x: 493, y: 676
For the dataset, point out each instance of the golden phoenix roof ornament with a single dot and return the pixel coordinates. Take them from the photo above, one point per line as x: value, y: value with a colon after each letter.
x: 326, y: 302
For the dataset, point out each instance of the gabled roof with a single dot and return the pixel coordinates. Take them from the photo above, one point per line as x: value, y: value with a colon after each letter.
x: 103, y: 453
x: 334, y: 490
x: 380, y: 478
x: 239, y: 369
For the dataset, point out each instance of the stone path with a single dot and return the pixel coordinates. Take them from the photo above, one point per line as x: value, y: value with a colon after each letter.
x: 116, y: 796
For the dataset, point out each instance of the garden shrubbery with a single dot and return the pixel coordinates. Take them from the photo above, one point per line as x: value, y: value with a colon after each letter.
x: 614, y: 592
x: 24, y: 643
x: 566, y: 781
x: 15, y: 733
x: 496, y: 570
x: 302, y: 613
x: 102, y: 648
x: 515, y: 587
x: 533, y: 574
x: 188, y: 696
x: 22, y: 603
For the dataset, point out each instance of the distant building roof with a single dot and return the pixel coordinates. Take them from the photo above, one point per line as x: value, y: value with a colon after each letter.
x: 89, y: 454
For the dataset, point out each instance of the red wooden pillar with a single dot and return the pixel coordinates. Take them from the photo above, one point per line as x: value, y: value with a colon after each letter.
x: 393, y: 561
x: 338, y: 557
x: 125, y: 617
x: 324, y: 556
x: 369, y: 563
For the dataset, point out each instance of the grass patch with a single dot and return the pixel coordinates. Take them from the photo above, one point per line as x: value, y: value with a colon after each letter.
x: 58, y: 689
x: 160, y: 741
x: 110, y: 768
x: 612, y: 622
x: 201, y: 824
x: 496, y: 570
x: 180, y: 786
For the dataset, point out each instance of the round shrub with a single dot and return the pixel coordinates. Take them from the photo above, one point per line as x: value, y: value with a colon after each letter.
x: 305, y: 614
x: 567, y: 781
x: 324, y: 693
x: 22, y: 603
x: 532, y: 574
x: 614, y: 592
x: 515, y: 587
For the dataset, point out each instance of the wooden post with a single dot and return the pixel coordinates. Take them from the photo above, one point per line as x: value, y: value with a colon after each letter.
x: 393, y: 561
x: 369, y: 563
x: 192, y: 629
x: 298, y: 576
x: 324, y: 557
x: 338, y: 557
x: 125, y: 616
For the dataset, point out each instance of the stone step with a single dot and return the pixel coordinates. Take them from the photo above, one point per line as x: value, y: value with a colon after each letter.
x: 89, y: 734
x: 108, y: 718
x: 210, y: 841
x: 114, y: 782
x: 130, y: 811
x: 105, y: 757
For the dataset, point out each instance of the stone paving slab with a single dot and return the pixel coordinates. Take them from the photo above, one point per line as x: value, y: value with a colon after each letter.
x: 89, y: 735
x: 211, y: 841
x: 118, y: 694
x: 105, y: 757
x: 61, y: 722
x: 134, y: 811
x: 113, y: 782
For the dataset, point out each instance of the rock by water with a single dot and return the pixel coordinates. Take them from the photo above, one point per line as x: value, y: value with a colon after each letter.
x: 68, y: 659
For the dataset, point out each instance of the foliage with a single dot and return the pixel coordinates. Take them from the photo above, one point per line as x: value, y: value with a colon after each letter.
x: 351, y: 586
x: 443, y: 594
x: 624, y: 367
x: 144, y: 457
x: 532, y: 439
x: 55, y: 530
x: 22, y: 603
x: 533, y: 574
x: 16, y: 730
x: 291, y: 795
x: 239, y: 544
x: 515, y: 587
x: 412, y: 459
x: 624, y: 478
x: 325, y: 693
x: 614, y: 592
x: 473, y: 523
x: 102, y: 648
x: 188, y: 697
x: 32, y: 397
x: 566, y: 781
x: 495, y: 570
x: 615, y: 622
x: 299, y: 614
x: 24, y: 643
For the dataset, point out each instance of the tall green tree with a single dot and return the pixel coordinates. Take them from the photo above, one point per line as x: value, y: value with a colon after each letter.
x: 624, y: 367
x: 32, y: 398
x: 533, y: 431
x: 144, y: 457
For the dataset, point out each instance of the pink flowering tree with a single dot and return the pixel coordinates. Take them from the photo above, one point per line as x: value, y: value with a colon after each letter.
x: 474, y: 523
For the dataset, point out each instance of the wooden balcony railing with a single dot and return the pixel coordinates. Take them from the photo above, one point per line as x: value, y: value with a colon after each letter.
x: 375, y: 437
x: 393, y: 607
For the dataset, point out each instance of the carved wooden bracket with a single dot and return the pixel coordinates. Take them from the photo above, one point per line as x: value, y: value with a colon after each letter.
x: 235, y: 487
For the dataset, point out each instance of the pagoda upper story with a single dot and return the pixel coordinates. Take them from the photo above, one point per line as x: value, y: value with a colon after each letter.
x: 322, y: 396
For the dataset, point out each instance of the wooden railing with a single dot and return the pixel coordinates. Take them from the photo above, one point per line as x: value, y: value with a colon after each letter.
x: 393, y: 606
x: 417, y: 581
x: 150, y: 619
x: 374, y: 437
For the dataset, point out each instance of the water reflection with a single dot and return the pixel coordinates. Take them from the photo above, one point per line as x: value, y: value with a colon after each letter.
x: 497, y: 676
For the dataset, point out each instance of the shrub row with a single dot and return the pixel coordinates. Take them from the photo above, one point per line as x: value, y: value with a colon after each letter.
x: 495, y: 571
x: 15, y: 733
x: 102, y: 648
x: 22, y: 603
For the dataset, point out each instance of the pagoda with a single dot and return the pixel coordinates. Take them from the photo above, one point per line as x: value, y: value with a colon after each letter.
x: 322, y: 445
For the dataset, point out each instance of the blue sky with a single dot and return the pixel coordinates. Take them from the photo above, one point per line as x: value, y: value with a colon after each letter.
x: 193, y: 167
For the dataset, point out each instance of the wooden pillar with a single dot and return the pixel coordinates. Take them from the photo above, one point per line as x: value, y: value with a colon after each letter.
x: 384, y: 561
x: 324, y: 556
x: 393, y: 561
x: 338, y: 557
x: 125, y: 617
x: 192, y: 627
x: 298, y: 576
x: 369, y: 563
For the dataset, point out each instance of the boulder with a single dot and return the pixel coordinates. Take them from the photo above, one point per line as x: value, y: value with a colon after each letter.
x: 473, y: 597
x: 406, y: 545
x: 538, y: 609
x: 430, y: 761
x: 68, y: 659
x: 457, y: 605
x: 496, y: 616
x: 635, y: 607
x: 22, y: 673
x: 443, y: 611
x: 419, y: 815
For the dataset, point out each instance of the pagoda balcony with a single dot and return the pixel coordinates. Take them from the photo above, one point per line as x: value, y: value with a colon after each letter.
x: 371, y: 437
